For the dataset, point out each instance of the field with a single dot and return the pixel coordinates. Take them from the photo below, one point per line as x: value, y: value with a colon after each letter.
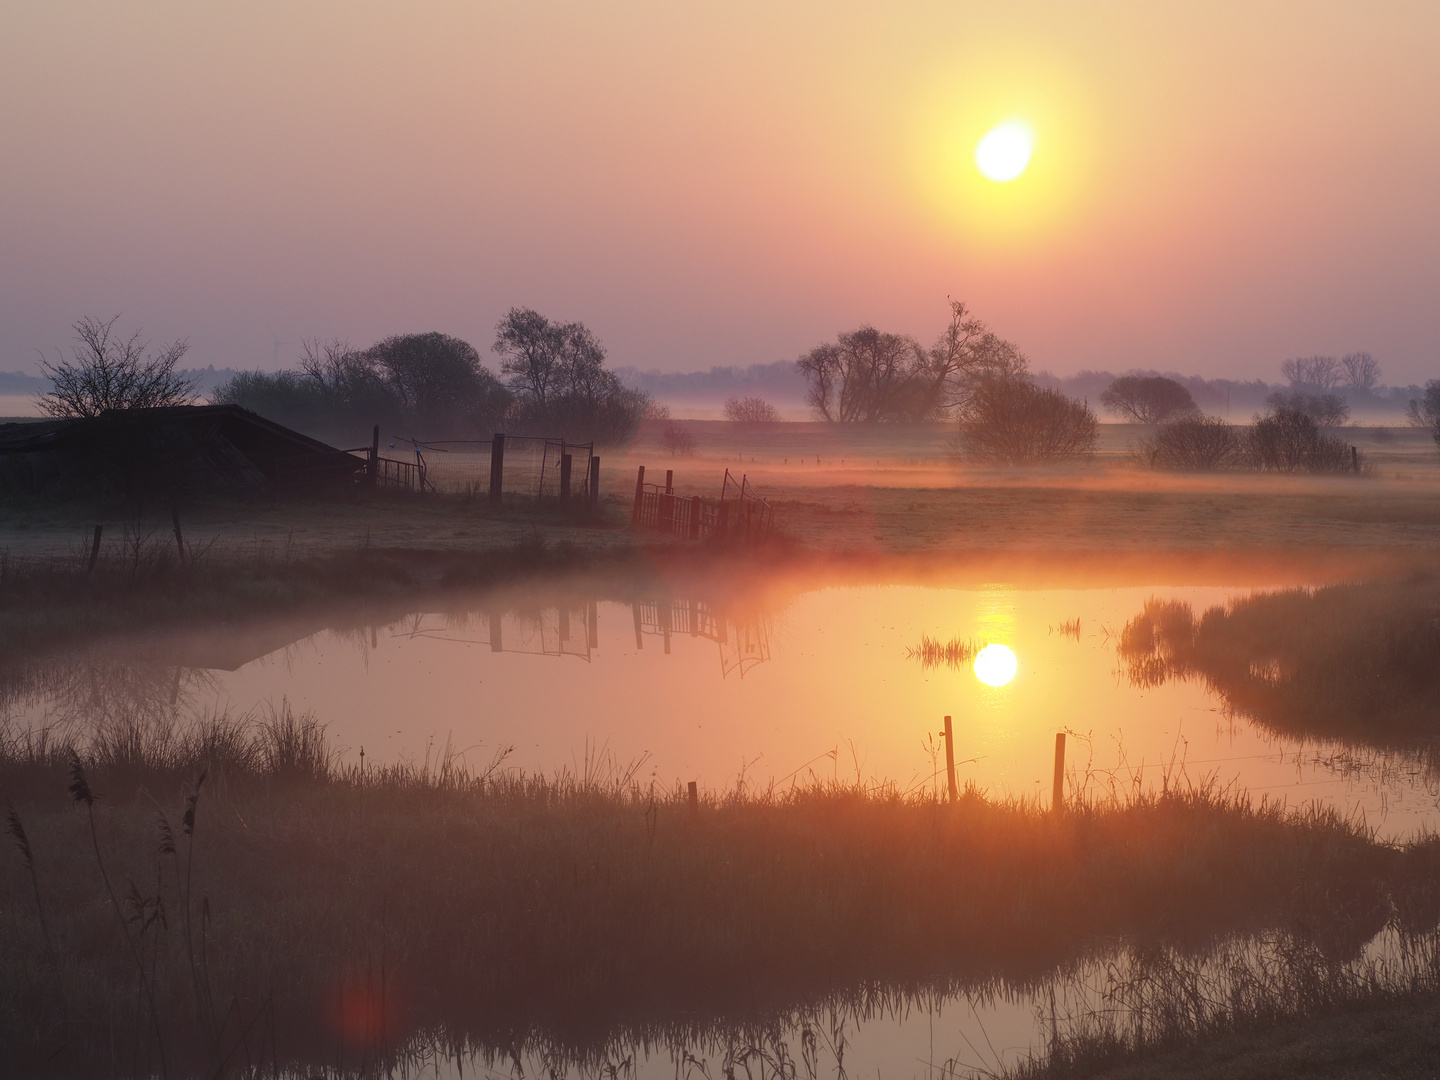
x: 316, y: 911
x: 858, y: 493
x: 223, y: 893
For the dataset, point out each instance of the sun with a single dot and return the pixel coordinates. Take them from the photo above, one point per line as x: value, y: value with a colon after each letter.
x: 1003, y: 153
x: 995, y: 665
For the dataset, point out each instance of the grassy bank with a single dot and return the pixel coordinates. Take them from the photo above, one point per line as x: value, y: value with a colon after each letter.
x: 285, y: 909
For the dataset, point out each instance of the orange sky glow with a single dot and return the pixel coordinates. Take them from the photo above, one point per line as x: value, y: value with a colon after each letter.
x: 1213, y: 188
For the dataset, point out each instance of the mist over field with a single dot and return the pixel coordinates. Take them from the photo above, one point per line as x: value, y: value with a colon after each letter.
x: 625, y: 542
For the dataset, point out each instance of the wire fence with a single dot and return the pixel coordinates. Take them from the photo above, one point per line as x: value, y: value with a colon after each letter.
x: 521, y: 465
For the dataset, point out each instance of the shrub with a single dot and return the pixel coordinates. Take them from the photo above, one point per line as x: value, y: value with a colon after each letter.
x: 1288, y: 440
x: 1193, y: 443
x: 1013, y: 421
x: 750, y: 410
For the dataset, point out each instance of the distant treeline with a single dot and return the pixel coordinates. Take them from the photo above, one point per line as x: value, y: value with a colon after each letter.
x: 780, y: 383
x: 553, y: 382
x: 1232, y: 398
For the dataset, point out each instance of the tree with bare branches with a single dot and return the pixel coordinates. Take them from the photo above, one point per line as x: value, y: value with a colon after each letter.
x: 110, y: 373
x: 869, y: 376
x: 1147, y: 399
x: 1315, y: 372
x: 1362, y: 371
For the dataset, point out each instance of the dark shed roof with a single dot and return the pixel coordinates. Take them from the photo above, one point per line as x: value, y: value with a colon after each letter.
x: 184, y: 447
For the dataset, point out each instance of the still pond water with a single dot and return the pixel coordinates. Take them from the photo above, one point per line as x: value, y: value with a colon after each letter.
x: 826, y: 683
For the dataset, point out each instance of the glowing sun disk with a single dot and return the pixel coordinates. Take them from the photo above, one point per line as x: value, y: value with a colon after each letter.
x: 995, y: 665
x: 1003, y: 152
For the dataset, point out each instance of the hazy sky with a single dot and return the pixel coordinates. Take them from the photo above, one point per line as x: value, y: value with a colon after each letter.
x: 1215, y: 186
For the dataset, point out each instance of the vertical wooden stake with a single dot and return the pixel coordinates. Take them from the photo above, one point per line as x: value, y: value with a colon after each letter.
x: 639, y: 495
x: 1057, y: 797
x: 497, y: 641
x: 592, y: 624
x: 639, y: 637
x: 95, y: 549
x: 179, y: 540
x: 565, y: 465
x: 592, y: 490
x: 374, y: 455
x: 694, y: 799
x: 669, y: 481
x: 1354, y: 459
x: 497, y: 467
x: 950, y: 758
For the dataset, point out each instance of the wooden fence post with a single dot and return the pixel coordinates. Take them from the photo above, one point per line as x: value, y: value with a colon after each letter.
x: 374, y: 469
x: 669, y: 481
x: 497, y: 641
x: 179, y: 540
x: 639, y: 495
x: 694, y: 799
x: 95, y: 549
x: 592, y: 494
x: 1057, y: 796
x: 565, y: 466
x: 497, y: 467
x: 592, y: 624
x: 950, y: 758
x: 639, y: 639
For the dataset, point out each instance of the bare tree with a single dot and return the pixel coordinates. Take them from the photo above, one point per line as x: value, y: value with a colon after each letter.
x: 108, y: 373
x: 530, y: 347
x: 1012, y: 421
x: 863, y: 376
x: 867, y: 376
x: 1425, y: 412
x: 677, y: 440
x: 561, y: 385
x: 1362, y: 371
x: 1316, y: 372
x: 1147, y: 399
x: 750, y: 410
x: 438, y: 382
x: 965, y: 355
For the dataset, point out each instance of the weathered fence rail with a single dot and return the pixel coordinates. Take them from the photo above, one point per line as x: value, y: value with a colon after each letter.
x: 738, y: 515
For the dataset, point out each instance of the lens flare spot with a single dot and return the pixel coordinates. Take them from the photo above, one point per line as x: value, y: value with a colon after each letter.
x: 995, y: 665
x: 1003, y: 152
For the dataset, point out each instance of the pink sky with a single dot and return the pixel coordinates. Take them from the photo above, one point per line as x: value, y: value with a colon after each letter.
x: 1215, y: 187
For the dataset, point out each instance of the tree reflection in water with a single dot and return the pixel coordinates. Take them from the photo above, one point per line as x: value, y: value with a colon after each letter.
x: 1358, y: 664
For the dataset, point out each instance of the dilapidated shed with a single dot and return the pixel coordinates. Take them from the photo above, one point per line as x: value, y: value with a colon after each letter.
x: 183, y: 450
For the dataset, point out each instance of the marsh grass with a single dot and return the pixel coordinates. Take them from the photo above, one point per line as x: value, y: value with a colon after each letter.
x: 932, y: 652
x: 311, y: 912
